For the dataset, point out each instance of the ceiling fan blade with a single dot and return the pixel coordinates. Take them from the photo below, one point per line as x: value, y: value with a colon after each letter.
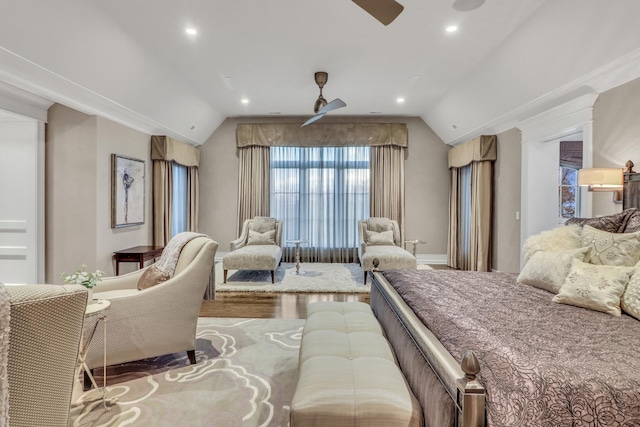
x: 312, y: 119
x: 467, y: 5
x: 333, y: 105
x: 384, y: 11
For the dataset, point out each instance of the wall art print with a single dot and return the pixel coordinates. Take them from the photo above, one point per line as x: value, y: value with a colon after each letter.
x: 127, y: 191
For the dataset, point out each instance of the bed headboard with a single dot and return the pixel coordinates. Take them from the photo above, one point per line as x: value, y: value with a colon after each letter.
x: 630, y: 187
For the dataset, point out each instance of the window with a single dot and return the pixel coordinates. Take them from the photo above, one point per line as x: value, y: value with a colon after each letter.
x: 320, y: 194
x: 180, y: 200
x: 568, y: 192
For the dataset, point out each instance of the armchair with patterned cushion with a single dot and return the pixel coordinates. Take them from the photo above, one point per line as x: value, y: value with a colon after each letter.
x: 153, y: 320
x: 257, y: 248
x: 380, y: 238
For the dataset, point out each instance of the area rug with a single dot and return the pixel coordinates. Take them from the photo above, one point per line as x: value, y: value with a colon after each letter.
x: 314, y: 277
x: 245, y: 376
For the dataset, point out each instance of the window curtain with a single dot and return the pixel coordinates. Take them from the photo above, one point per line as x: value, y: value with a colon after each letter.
x: 387, y: 183
x: 471, y: 204
x: 388, y: 140
x: 164, y: 151
x: 320, y: 193
x: 253, y: 183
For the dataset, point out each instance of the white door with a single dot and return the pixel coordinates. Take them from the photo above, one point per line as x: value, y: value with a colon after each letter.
x: 21, y: 207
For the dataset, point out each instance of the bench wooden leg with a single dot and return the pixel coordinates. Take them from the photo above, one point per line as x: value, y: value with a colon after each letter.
x: 273, y: 276
x: 225, y: 276
x: 191, y: 354
x: 365, y: 276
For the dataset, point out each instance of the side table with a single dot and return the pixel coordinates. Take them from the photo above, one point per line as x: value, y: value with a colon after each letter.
x: 297, y: 242
x: 95, y: 312
x: 138, y: 254
x: 415, y: 243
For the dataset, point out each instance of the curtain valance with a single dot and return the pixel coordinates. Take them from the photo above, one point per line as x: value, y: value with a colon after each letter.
x: 171, y: 150
x: 321, y: 134
x: 482, y: 148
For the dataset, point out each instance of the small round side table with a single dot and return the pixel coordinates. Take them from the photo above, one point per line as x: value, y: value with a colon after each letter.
x: 415, y: 244
x: 95, y: 312
x: 297, y: 242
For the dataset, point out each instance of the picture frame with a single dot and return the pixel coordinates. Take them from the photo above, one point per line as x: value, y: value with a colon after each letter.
x: 127, y: 191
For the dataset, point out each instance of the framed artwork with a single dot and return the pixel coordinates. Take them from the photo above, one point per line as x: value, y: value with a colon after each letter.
x: 127, y: 191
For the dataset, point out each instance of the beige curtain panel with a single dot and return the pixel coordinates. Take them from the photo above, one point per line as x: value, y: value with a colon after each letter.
x: 164, y: 152
x: 480, y: 149
x: 471, y: 204
x: 253, y: 183
x: 325, y: 134
x: 387, y: 184
x: 170, y: 150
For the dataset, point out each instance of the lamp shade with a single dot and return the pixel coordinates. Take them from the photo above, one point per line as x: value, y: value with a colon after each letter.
x: 604, y: 178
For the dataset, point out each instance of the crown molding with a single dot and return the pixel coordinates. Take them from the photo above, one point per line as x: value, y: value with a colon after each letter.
x: 28, y: 77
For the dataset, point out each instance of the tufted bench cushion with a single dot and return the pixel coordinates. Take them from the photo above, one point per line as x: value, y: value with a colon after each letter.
x: 348, y: 375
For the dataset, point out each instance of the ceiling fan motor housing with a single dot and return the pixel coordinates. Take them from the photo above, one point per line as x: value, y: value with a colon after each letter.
x: 321, y: 78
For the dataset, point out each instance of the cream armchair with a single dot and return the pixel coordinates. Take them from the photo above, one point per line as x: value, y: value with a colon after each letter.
x: 380, y: 238
x: 257, y: 248
x: 44, y: 341
x: 158, y: 320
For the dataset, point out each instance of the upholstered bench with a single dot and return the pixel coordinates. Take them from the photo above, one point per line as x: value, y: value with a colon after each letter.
x: 347, y: 372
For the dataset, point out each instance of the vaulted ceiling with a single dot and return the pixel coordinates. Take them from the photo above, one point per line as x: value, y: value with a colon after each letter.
x: 131, y: 60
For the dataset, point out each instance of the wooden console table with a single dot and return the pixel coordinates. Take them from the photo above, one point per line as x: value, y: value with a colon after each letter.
x: 138, y: 254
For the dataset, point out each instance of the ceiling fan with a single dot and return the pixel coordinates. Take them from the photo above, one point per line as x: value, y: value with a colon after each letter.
x: 467, y: 5
x: 384, y: 11
x: 322, y: 107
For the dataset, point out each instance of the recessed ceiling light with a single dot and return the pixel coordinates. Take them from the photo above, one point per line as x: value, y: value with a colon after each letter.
x: 375, y: 112
x: 191, y: 31
x: 400, y: 100
x: 452, y: 28
x: 244, y: 101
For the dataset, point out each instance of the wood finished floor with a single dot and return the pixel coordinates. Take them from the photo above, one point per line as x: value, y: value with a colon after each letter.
x: 272, y: 305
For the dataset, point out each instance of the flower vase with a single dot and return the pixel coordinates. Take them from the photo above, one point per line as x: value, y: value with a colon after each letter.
x: 90, y: 299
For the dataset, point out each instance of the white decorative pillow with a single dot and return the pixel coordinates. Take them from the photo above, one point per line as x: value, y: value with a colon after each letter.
x: 547, y: 270
x: 596, y: 287
x: 381, y: 238
x: 621, y: 249
x: 630, y: 300
x: 554, y: 240
x: 266, y: 238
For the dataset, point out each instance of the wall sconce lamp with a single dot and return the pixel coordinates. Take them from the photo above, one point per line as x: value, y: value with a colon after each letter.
x: 602, y: 180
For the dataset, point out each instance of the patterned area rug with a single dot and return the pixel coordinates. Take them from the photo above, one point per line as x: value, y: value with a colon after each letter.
x: 314, y: 277
x: 245, y: 376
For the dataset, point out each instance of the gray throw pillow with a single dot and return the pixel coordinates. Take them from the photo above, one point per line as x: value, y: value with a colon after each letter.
x: 615, y: 223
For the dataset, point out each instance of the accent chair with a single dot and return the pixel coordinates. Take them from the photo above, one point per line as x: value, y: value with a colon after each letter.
x: 380, y: 238
x: 257, y: 248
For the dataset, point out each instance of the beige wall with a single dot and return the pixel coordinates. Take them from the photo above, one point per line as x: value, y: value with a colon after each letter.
x: 426, y: 181
x: 506, y: 228
x: 616, y: 136
x: 78, y: 192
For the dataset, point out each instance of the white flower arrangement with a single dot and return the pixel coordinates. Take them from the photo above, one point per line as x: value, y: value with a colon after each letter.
x: 83, y: 277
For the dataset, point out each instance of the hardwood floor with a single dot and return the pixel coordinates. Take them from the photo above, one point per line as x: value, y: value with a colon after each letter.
x: 265, y: 305
x: 269, y: 304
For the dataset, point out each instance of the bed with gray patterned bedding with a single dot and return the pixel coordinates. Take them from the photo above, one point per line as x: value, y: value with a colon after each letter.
x: 542, y: 363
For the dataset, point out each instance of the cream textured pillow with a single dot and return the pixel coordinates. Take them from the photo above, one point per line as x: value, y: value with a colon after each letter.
x: 547, y: 270
x: 630, y: 300
x: 596, y: 287
x: 382, y: 238
x: 621, y: 249
x: 554, y: 240
x: 266, y: 238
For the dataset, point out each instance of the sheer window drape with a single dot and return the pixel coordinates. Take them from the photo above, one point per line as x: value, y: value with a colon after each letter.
x: 471, y: 204
x: 253, y: 183
x: 320, y: 194
x: 387, y: 183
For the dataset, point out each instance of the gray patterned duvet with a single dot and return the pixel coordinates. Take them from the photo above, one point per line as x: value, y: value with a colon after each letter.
x: 543, y: 364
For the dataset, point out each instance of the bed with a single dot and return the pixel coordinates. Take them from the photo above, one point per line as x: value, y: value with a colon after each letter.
x: 493, y: 349
x: 538, y: 363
